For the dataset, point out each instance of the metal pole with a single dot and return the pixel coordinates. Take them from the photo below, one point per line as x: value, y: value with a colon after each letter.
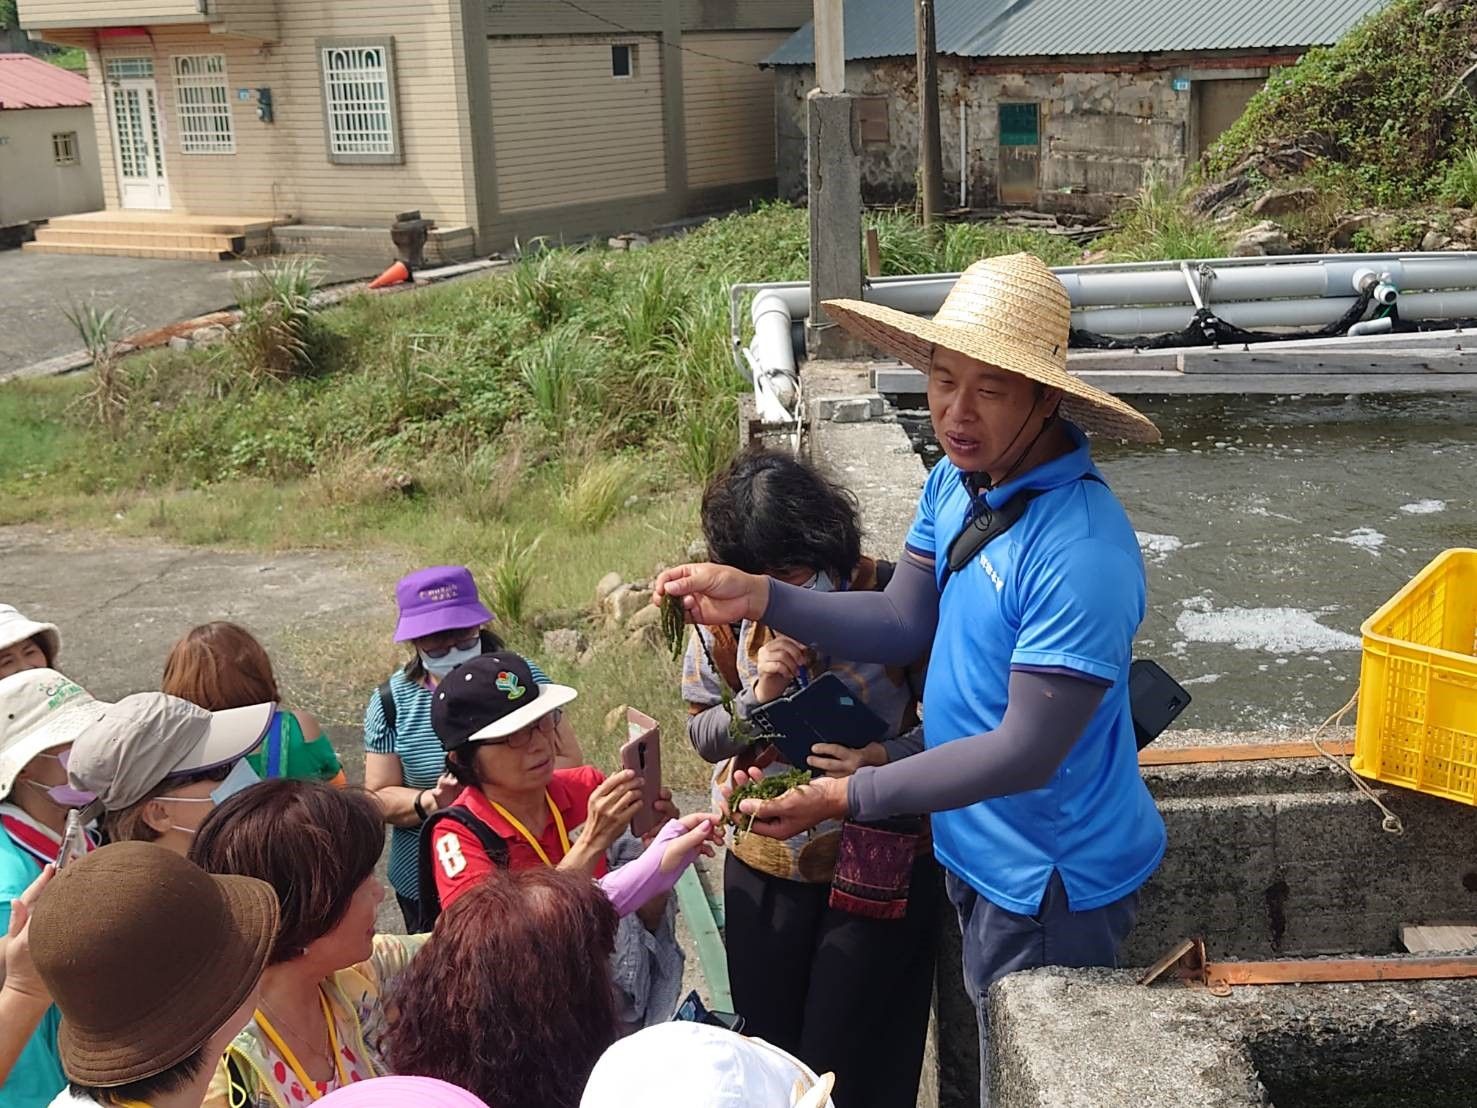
x: 930, y: 152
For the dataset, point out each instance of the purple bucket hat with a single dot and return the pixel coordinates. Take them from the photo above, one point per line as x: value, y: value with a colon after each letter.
x: 435, y: 599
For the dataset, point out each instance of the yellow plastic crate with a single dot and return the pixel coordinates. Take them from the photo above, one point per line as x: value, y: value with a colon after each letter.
x: 1417, y: 722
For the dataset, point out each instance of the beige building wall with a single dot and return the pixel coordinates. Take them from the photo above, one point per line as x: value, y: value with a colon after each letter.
x: 32, y: 185
x: 566, y: 131
x: 728, y: 106
x: 283, y: 168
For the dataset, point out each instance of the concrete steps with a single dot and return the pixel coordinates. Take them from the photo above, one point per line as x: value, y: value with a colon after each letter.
x: 156, y: 235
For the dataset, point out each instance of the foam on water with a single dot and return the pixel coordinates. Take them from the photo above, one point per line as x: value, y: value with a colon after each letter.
x: 1274, y: 630
x: 1157, y: 548
x: 1366, y: 538
x: 1423, y: 507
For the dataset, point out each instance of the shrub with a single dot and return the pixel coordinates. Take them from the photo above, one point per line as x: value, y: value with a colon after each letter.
x: 274, y: 337
x: 106, y: 402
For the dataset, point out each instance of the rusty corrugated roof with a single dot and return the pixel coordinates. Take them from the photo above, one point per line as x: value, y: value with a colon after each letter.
x: 1054, y: 28
x: 28, y: 82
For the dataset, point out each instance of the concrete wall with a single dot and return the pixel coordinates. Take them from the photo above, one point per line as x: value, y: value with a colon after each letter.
x: 32, y: 185
x: 1105, y: 126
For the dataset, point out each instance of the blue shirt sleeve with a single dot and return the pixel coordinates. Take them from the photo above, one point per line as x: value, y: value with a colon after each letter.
x: 921, y: 539
x: 1079, y: 609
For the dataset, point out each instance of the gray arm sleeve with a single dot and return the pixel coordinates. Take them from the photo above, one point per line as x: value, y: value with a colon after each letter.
x: 905, y: 745
x: 1045, y: 715
x: 708, y: 731
x: 893, y: 627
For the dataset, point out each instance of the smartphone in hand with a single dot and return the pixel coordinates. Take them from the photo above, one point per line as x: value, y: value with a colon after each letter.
x: 642, y: 752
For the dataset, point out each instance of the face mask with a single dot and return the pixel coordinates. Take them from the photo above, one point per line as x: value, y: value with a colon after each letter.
x: 241, y: 777
x: 440, y: 667
x: 63, y: 796
x: 821, y: 582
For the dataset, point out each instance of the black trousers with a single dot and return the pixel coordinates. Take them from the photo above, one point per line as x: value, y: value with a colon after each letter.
x: 844, y: 994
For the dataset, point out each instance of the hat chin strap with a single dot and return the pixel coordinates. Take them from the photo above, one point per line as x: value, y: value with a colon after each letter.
x: 982, y: 482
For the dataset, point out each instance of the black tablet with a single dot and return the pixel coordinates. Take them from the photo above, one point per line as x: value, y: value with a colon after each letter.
x: 825, y: 711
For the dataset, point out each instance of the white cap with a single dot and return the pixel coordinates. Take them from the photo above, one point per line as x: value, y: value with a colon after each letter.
x: 15, y: 628
x: 40, y: 710
x: 697, y: 1065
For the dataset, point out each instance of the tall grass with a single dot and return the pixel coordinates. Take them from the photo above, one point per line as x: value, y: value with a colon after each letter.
x: 275, y: 335
x: 1157, y: 227
x: 511, y: 578
x: 597, y: 490
x: 106, y: 402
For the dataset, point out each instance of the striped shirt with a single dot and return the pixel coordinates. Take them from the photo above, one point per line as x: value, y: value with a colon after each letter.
x: 422, y: 761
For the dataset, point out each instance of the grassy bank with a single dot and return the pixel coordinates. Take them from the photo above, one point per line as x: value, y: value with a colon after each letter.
x: 545, y: 425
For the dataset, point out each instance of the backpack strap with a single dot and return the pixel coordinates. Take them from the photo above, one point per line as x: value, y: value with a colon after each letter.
x: 487, y: 838
x: 387, y: 705
x: 276, y: 742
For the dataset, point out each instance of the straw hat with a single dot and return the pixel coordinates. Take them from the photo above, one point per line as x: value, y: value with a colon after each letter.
x: 1010, y: 312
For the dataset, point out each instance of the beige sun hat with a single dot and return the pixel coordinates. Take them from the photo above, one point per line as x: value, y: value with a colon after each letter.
x: 1010, y: 312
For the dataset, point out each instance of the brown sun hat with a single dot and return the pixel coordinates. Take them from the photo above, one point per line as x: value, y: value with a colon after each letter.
x: 1010, y: 312
x: 147, y: 956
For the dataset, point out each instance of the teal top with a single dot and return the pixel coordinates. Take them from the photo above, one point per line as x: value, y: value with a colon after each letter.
x: 37, y: 1076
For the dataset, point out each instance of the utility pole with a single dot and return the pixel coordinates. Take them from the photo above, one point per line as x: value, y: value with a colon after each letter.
x: 930, y: 153
x: 833, y: 149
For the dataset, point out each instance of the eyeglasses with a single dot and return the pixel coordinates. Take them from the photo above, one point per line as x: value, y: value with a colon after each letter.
x: 462, y: 644
x: 524, y: 735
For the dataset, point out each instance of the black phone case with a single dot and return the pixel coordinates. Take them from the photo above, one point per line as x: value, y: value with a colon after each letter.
x: 825, y: 711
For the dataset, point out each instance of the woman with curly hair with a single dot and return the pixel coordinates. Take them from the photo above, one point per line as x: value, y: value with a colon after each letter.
x: 511, y: 997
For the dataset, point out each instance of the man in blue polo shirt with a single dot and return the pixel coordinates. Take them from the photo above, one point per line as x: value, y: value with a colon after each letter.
x: 1023, y: 573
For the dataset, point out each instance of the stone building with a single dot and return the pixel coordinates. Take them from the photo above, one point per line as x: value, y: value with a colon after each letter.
x: 1059, y: 105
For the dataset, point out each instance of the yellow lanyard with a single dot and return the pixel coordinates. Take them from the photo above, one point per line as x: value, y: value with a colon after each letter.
x: 129, y: 1104
x: 538, y: 847
x: 309, y: 1085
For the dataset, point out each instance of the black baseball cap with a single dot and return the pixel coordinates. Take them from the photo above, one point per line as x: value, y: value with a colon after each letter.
x: 491, y: 697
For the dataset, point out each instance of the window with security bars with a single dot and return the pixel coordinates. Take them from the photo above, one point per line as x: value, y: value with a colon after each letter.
x: 359, y: 101
x: 123, y: 69
x: 64, y: 148
x: 202, y: 102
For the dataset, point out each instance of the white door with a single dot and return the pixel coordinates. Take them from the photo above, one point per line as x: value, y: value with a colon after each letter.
x: 133, y: 111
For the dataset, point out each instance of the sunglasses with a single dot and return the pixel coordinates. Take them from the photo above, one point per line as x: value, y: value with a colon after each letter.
x: 461, y: 644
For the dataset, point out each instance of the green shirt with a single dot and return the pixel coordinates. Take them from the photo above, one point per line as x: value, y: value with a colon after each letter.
x: 297, y: 757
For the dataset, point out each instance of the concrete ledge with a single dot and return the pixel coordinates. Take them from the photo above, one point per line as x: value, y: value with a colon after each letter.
x: 444, y: 246
x: 1096, y: 1039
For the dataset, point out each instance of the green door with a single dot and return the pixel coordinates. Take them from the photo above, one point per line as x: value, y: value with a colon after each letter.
x: 1020, y: 152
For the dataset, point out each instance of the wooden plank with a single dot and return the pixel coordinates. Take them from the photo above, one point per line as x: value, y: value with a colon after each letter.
x: 1239, y: 752
x: 1226, y: 974
x: 1434, y: 937
x: 1421, y: 360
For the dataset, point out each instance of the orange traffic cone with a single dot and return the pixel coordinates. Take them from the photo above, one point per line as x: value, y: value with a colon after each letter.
x: 397, y: 274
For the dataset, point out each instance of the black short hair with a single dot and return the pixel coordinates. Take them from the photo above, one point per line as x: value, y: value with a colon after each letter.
x: 145, y: 1090
x: 769, y: 511
x: 461, y: 763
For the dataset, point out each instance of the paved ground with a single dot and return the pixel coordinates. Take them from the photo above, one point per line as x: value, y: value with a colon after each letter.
x: 36, y: 290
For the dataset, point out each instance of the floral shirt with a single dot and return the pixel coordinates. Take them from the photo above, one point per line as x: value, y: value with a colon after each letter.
x: 254, y: 1075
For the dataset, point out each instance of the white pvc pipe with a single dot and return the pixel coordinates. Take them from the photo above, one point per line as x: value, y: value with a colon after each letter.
x: 963, y: 156
x: 1269, y: 313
